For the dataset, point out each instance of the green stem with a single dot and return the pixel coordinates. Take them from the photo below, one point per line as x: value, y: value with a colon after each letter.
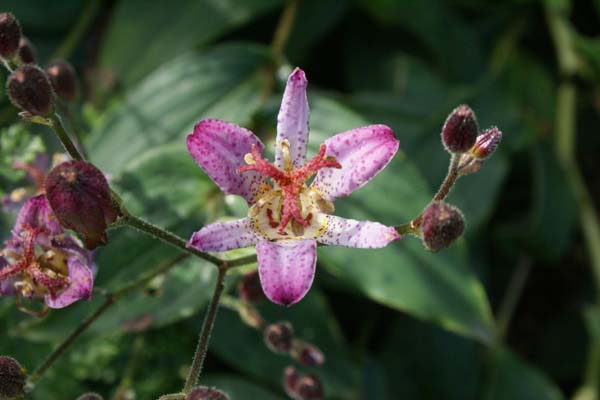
x: 63, y: 137
x: 204, y: 337
x: 284, y: 28
x: 75, y: 35
x: 513, y: 293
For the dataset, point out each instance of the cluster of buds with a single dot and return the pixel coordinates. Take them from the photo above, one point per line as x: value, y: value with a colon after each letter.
x: 12, y: 379
x: 90, y: 396
x: 461, y: 136
x: 279, y: 338
x: 207, y: 393
x: 300, y: 386
x: 29, y: 87
x: 442, y: 225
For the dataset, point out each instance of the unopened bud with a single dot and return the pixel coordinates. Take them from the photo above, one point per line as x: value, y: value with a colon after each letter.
x: 279, y: 337
x: 486, y: 143
x: 12, y: 379
x: 460, y: 130
x: 206, y: 393
x: 79, y: 195
x: 28, y: 88
x: 291, y: 376
x: 26, y: 51
x: 250, y: 289
x: 63, y: 79
x: 442, y: 224
x: 307, y: 354
x: 90, y: 396
x: 10, y: 34
x: 309, y: 387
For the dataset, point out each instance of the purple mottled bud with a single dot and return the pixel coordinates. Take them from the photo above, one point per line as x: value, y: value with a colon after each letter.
x: 250, y: 289
x: 10, y: 34
x: 206, y: 393
x: 90, y: 396
x: 27, y: 53
x: 460, y: 130
x: 80, y: 198
x: 309, y: 387
x: 63, y: 79
x: 442, y: 225
x: 291, y: 376
x: 12, y: 379
x: 279, y: 337
x: 307, y: 354
x: 28, y: 88
x: 486, y: 143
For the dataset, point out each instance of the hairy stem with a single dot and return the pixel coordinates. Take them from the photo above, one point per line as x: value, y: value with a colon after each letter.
x: 63, y: 137
x: 204, y: 338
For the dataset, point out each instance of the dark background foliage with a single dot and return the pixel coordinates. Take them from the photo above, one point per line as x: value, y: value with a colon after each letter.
x: 506, y: 313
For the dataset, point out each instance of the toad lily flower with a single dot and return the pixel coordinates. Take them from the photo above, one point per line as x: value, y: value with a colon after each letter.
x: 287, y: 215
x: 41, y: 261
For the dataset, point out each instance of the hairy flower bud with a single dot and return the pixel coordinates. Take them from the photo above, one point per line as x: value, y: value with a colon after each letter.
x: 90, y: 396
x: 26, y: 51
x: 206, y: 393
x: 12, y: 379
x: 250, y: 289
x: 442, y: 225
x: 80, y: 197
x: 279, y: 337
x: 29, y: 89
x: 460, y: 130
x: 486, y: 143
x: 307, y: 354
x: 10, y: 34
x: 309, y: 387
x: 291, y: 376
x: 63, y: 79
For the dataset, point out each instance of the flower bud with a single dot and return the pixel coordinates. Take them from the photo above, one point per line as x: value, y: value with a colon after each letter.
x: 63, y: 79
x: 309, y: 387
x: 10, y: 34
x: 307, y: 354
x: 250, y: 289
x: 12, y: 379
x: 486, y: 143
x: 26, y: 51
x: 79, y: 195
x: 29, y: 89
x: 206, y: 393
x: 90, y: 396
x: 442, y: 224
x: 279, y: 337
x: 460, y: 130
x: 291, y: 376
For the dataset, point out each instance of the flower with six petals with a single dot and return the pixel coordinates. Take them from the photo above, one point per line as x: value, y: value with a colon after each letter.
x: 288, y: 215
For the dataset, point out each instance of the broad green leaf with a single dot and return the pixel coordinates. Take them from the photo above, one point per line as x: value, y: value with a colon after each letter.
x: 513, y: 379
x: 313, y: 321
x: 144, y: 34
x: 224, y: 83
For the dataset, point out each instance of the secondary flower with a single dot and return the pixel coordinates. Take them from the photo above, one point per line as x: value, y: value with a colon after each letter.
x: 287, y: 215
x: 40, y: 260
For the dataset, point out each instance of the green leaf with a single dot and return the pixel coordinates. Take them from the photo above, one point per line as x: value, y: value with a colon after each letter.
x: 223, y: 83
x: 164, y: 30
x: 513, y: 379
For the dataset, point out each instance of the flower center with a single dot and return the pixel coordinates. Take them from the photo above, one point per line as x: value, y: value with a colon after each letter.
x: 289, y: 198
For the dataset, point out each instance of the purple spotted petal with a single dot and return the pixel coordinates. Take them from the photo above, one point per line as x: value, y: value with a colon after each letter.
x: 223, y: 236
x: 362, y: 152
x: 292, y: 121
x: 286, y: 269
x: 81, y: 282
x: 219, y: 148
x: 359, y: 234
x: 36, y: 213
x: 6, y: 286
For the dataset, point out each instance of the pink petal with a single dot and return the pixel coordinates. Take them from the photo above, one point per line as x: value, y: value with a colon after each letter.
x: 359, y: 234
x: 286, y: 269
x: 36, y: 213
x: 362, y: 152
x: 80, y: 287
x: 6, y: 286
x: 223, y: 236
x: 219, y: 148
x: 292, y: 121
